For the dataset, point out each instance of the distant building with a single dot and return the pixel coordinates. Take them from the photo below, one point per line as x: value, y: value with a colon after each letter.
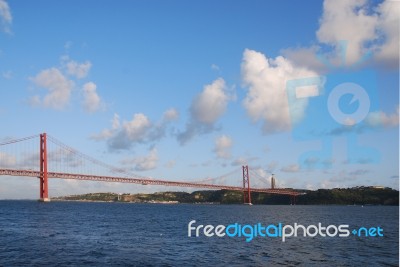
x: 378, y: 187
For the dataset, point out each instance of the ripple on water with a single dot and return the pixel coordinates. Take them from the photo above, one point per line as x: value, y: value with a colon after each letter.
x: 98, y: 234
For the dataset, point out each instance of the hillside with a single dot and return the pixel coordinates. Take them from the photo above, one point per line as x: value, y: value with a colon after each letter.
x: 337, y: 196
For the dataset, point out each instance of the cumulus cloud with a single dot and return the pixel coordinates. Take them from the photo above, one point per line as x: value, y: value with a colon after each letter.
x: 58, y: 86
x: 91, y: 98
x: 115, y: 123
x: 140, y: 129
x: 60, y: 81
x: 122, y: 135
x: 266, y: 100
x: 387, y: 52
x: 136, y: 128
x: 353, y: 28
x: 223, y: 145
x: 305, y: 57
x: 76, y: 69
x: 5, y: 16
x: 374, y: 120
x: 143, y: 163
x: 211, y: 103
x: 347, y: 20
x: 170, y: 115
x: 380, y: 118
x: 206, y: 108
x: 108, y: 133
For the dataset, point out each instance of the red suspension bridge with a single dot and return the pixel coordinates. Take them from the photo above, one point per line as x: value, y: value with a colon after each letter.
x: 64, y: 162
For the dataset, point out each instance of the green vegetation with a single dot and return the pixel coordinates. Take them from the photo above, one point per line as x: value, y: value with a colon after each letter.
x: 351, y: 196
x: 336, y: 196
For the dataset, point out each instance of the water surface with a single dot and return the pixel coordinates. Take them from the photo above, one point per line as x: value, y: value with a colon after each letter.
x: 124, y: 234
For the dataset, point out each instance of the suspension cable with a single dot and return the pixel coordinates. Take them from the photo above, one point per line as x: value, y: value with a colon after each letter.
x: 19, y: 140
x: 217, y: 178
x: 91, y: 159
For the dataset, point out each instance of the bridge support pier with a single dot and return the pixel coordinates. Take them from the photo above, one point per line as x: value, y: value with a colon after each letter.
x: 246, y: 186
x: 44, y: 189
x: 293, y: 200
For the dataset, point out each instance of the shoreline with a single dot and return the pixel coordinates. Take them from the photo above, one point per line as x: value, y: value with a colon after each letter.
x: 197, y: 203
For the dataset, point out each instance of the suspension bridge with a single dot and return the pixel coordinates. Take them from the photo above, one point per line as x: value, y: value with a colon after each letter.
x: 44, y: 157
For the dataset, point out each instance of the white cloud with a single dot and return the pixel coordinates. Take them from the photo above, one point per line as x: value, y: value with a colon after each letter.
x: 91, y: 98
x: 5, y: 15
x: 79, y: 70
x: 305, y: 57
x: 103, y: 135
x: 115, y: 123
x: 170, y: 115
x: 206, y: 108
x: 108, y: 133
x: 380, y: 118
x: 223, y: 145
x: 138, y: 130
x: 266, y: 97
x: 353, y: 28
x: 375, y: 119
x: 211, y: 103
x: 387, y: 52
x: 58, y: 86
x: 143, y: 163
x: 350, y: 21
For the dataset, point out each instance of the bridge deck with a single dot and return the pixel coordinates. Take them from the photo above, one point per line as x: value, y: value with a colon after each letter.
x: 142, y: 181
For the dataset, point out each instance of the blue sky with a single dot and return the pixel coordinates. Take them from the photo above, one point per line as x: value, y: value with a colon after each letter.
x: 184, y: 90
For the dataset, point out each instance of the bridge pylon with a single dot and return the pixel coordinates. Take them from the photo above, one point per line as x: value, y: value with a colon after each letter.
x: 43, y: 179
x: 246, y: 186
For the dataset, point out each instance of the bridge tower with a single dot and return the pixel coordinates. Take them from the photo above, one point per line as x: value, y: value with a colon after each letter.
x: 246, y: 186
x: 44, y: 190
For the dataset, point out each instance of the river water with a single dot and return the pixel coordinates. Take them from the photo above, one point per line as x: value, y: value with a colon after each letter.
x: 124, y: 234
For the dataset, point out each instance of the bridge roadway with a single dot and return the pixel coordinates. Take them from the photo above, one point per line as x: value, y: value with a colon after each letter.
x: 142, y: 181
